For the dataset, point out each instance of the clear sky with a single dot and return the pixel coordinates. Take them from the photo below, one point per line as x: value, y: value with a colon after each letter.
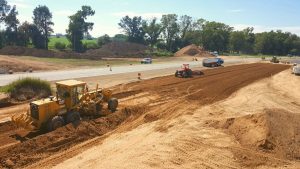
x: 263, y: 15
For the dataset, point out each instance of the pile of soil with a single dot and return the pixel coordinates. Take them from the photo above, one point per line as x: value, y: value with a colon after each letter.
x: 120, y: 49
x: 24, y: 51
x: 113, y: 49
x: 193, y: 50
x: 274, y: 131
x: 38, y: 147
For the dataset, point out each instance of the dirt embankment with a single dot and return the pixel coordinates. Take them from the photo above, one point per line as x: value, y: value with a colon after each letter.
x: 35, y: 146
x: 17, y: 65
x: 113, y: 49
x: 274, y: 131
x: 158, y: 98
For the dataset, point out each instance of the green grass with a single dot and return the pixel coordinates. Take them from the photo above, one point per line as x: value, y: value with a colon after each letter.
x: 81, y: 62
x: 28, y: 83
x: 53, y: 40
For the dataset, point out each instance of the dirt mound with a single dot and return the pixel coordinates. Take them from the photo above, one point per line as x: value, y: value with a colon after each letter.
x: 274, y: 131
x: 193, y: 50
x: 23, y: 65
x: 113, y: 49
x: 24, y: 51
x: 120, y: 49
x: 28, y: 88
x: 39, y: 147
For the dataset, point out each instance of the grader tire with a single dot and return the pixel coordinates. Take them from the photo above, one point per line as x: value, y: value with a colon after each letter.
x: 113, y: 104
x: 73, y: 117
x: 55, y: 123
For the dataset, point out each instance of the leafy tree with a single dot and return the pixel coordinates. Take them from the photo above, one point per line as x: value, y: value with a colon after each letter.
x: 11, y: 23
x: 133, y: 28
x: 4, y: 9
x: 237, y: 41
x: 170, y: 30
x: 185, y: 25
x: 24, y: 33
x: 153, y: 31
x: 42, y: 19
x: 194, y: 33
x: 215, y: 36
x: 78, y: 27
x: 102, y: 40
x: 276, y: 43
x: 36, y: 37
x: 120, y: 38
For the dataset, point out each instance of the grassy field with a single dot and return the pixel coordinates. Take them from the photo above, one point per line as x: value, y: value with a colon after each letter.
x: 53, y: 40
x: 81, y: 62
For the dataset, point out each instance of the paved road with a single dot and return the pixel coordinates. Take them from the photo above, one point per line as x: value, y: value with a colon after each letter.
x: 80, y: 73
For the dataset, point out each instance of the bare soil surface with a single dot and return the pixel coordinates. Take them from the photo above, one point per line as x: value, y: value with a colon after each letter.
x: 164, y: 122
x: 193, y: 50
x: 189, y: 140
x: 22, y: 65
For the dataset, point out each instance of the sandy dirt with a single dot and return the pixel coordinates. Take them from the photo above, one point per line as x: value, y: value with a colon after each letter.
x: 169, y: 122
x: 232, y: 133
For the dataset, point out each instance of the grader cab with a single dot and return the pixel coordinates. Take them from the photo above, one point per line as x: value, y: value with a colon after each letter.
x: 73, y: 100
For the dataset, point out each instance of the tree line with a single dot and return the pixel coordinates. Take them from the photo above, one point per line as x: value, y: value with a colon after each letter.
x: 170, y: 33
x: 173, y: 32
x: 37, y: 34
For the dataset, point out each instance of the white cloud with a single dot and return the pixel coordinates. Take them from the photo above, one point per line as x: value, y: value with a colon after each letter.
x: 262, y: 28
x: 235, y: 10
x: 143, y: 15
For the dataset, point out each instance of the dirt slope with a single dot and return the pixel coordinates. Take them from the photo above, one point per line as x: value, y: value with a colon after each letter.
x: 113, y: 49
x: 183, y: 136
x: 10, y: 63
x: 275, y: 131
x: 167, y: 103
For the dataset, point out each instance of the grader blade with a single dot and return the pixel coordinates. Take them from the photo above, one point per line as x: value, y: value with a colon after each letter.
x: 23, y: 120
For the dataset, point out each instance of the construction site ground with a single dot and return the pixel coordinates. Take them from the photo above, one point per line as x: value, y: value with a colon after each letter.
x: 242, y: 116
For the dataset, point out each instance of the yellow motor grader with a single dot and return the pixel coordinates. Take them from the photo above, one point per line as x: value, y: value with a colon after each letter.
x: 73, y: 100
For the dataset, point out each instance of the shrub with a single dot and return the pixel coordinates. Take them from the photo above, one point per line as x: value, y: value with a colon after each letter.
x: 90, y: 45
x: 159, y: 53
x: 27, y: 88
x: 60, y: 45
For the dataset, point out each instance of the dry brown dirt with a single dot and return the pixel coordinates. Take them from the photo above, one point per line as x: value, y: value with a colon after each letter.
x: 22, y: 65
x: 274, y: 130
x: 153, y: 119
x: 193, y: 50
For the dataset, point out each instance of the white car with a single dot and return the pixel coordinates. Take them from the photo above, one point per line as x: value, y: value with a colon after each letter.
x: 146, y: 61
x: 296, y: 69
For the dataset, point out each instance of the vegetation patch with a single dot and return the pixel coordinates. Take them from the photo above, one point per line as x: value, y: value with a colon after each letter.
x: 27, y: 89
